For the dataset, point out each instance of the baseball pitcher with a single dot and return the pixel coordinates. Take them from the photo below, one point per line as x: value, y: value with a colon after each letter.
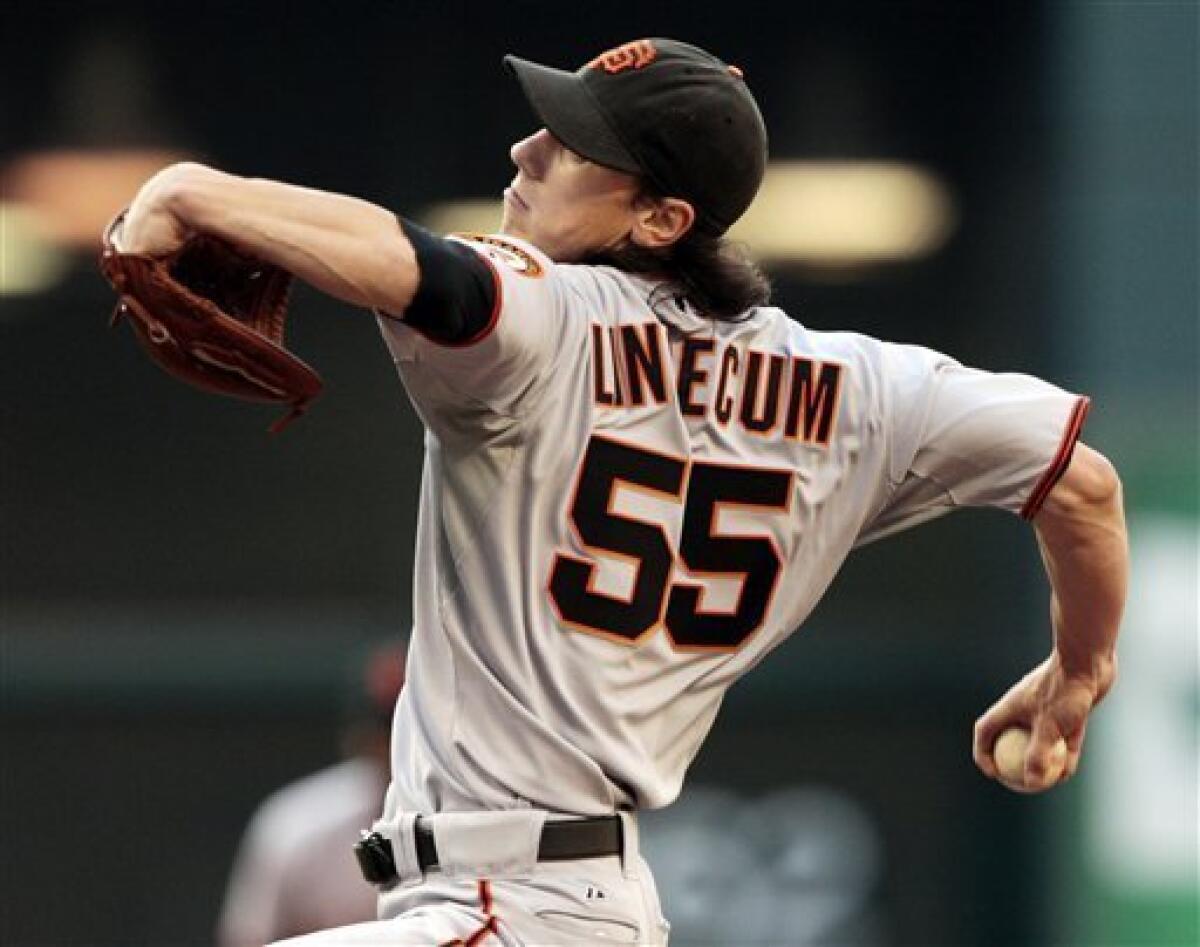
x: 639, y: 478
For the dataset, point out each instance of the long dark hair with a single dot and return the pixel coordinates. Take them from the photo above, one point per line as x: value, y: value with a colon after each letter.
x: 715, y: 274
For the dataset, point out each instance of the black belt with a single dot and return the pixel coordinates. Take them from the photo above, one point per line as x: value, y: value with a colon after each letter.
x: 561, y: 841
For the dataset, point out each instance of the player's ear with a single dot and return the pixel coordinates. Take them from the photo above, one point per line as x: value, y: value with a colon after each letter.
x: 661, y: 221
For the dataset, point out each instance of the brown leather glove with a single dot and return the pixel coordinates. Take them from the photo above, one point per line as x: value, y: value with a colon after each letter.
x: 213, y: 318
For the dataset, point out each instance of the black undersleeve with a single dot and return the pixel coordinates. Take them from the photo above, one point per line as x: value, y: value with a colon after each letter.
x: 456, y: 293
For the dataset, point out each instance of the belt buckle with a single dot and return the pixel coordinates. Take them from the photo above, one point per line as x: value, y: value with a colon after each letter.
x: 376, y: 860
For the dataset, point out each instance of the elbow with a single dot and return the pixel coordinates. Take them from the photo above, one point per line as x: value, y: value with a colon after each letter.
x: 1098, y: 483
x: 1089, y: 483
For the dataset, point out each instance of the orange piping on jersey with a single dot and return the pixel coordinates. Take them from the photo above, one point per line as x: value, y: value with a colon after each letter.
x: 489, y: 919
x: 783, y: 507
x: 1061, y: 460
x: 489, y: 927
x: 493, y: 319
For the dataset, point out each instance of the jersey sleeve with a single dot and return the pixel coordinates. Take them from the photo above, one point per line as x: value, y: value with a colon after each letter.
x: 501, y: 366
x: 959, y: 436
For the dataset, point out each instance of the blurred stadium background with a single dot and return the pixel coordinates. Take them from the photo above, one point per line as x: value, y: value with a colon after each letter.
x: 1013, y: 183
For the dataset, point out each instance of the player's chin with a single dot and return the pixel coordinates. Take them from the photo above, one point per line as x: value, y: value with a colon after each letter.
x: 515, y: 227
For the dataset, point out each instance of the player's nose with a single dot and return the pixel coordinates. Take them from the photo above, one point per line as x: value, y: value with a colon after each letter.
x: 530, y: 154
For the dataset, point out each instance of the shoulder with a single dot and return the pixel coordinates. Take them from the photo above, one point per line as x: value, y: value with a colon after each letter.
x: 528, y: 279
x: 864, y: 355
x: 512, y: 254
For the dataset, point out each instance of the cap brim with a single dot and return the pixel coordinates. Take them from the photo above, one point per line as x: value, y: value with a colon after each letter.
x: 566, y: 107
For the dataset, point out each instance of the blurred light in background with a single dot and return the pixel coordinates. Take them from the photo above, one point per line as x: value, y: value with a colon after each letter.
x: 29, y: 262
x: 841, y: 213
x: 105, y: 128
x: 74, y: 193
x: 825, y: 214
x: 476, y: 216
x: 831, y: 215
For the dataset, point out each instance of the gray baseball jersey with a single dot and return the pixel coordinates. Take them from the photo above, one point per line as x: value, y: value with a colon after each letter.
x: 626, y: 506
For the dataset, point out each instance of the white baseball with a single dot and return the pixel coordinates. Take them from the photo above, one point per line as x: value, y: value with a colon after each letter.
x: 1009, y: 754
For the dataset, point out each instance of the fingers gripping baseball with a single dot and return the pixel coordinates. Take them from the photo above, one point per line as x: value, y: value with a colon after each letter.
x: 1049, y: 711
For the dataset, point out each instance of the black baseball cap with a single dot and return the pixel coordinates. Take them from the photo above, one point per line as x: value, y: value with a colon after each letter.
x: 664, y: 110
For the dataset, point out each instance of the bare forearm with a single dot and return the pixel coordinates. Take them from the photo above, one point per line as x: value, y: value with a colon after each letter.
x: 1084, y: 545
x: 1081, y: 531
x: 346, y: 247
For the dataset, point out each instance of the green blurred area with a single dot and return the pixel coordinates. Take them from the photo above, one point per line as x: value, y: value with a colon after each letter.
x: 1157, y: 920
x: 1129, y: 141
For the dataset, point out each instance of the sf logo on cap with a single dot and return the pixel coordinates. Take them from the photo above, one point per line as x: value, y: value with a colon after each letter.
x: 633, y: 55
